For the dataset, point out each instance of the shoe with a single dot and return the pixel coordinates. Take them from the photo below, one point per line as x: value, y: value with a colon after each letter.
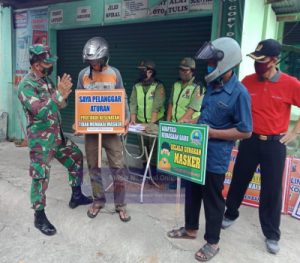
x: 227, y: 222
x: 272, y: 246
x: 78, y: 198
x: 42, y: 223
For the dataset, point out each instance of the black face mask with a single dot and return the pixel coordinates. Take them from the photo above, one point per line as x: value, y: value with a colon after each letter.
x: 47, y: 71
x: 143, y: 74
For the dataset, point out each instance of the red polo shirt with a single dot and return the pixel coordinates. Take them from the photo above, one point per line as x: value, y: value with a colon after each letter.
x: 271, y: 102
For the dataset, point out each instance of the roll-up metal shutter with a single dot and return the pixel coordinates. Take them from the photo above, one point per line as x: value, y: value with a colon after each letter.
x: 291, y: 36
x: 165, y: 42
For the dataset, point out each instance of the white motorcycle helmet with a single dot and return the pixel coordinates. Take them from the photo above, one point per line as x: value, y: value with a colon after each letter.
x: 226, y: 51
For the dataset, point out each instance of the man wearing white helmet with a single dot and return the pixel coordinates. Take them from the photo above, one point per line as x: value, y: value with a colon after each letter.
x: 226, y: 110
x: 101, y: 76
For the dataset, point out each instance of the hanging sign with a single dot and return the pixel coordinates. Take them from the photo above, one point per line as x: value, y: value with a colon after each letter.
x: 56, y: 16
x: 112, y: 11
x: 201, y: 5
x: 178, y: 7
x: 134, y: 8
x: 83, y: 13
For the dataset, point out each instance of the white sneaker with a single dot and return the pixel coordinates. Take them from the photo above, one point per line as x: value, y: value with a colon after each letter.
x: 272, y: 246
x: 227, y: 222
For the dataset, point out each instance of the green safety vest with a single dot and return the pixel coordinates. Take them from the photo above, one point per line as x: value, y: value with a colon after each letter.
x: 145, y: 103
x: 181, y: 100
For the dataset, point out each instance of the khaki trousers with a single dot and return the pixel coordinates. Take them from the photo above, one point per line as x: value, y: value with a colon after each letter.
x: 114, y: 151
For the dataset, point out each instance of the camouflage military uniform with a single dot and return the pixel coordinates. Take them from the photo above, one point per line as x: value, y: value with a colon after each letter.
x: 41, y: 103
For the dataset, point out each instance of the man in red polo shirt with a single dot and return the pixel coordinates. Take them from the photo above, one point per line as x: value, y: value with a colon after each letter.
x: 272, y: 95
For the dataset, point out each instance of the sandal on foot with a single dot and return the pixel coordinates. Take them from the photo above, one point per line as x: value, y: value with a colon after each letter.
x: 180, y: 233
x: 123, y: 214
x: 94, y: 209
x: 207, y: 251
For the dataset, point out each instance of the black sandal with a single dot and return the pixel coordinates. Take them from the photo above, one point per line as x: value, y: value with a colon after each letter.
x: 94, y: 210
x: 180, y: 233
x: 207, y: 251
x: 123, y: 214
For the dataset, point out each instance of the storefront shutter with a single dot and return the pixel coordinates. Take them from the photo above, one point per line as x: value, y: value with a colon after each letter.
x: 165, y: 42
x: 291, y: 36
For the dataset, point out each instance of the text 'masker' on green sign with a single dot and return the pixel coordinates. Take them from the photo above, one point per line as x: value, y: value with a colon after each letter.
x: 182, y: 150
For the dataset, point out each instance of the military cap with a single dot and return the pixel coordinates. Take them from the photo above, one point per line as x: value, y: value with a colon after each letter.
x: 40, y: 52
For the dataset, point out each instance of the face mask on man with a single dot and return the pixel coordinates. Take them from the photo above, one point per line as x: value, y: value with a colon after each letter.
x: 143, y: 74
x: 47, y: 71
x: 261, y: 67
x: 185, y: 74
x: 210, y: 69
x: 217, y: 81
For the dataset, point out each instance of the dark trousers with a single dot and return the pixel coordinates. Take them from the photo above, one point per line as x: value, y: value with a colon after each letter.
x: 271, y: 157
x: 214, y: 205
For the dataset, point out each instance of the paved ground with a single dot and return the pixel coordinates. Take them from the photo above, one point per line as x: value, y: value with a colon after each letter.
x: 106, y: 238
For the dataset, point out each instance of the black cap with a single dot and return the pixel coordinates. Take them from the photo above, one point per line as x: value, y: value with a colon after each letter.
x: 266, y: 48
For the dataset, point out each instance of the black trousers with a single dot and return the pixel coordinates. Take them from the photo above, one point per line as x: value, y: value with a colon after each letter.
x: 271, y: 157
x: 214, y: 205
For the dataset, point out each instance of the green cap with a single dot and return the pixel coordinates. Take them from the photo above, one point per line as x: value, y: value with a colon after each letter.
x: 147, y: 64
x: 41, y: 53
x: 187, y: 63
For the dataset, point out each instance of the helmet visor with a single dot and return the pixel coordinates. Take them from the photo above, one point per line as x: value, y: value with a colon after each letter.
x: 209, y: 52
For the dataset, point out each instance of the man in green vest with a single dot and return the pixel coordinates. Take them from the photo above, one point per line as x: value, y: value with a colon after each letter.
x: 147, y: 103
x: 148, y: 96
x: 186, y: 96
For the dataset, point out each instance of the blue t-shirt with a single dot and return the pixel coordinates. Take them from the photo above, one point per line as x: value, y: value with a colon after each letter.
x: 225, y: 108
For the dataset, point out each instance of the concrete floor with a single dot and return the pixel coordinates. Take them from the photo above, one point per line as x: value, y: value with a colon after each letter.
x: 106, y: 238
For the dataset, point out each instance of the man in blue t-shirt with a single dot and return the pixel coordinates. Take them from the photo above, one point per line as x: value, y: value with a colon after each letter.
x: 226, y: 110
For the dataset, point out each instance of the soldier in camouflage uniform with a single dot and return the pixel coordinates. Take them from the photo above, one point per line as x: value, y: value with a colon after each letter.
x: 41, y: 102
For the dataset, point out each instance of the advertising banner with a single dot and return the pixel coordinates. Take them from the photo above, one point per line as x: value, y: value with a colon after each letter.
x: 251, y: 197
x: 100, y: 111
x: 293, y: 188
x: 182, y: 150
x: 31, y: 27
x: 296, y: 210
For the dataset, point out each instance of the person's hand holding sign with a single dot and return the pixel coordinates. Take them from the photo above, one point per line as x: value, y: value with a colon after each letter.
x: 64, y: 85
x: 126, y: 126
x: 75, y: 132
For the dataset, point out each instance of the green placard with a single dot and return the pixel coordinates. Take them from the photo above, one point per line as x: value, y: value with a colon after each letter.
x: 182, y: 150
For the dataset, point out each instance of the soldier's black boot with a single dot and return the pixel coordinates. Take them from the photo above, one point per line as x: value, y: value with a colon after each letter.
x: 42, y: 223
x: 78, y: 198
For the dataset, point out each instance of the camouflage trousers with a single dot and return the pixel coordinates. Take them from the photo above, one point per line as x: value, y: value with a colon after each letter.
x: 113, y: 147
x: 69, y: 155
